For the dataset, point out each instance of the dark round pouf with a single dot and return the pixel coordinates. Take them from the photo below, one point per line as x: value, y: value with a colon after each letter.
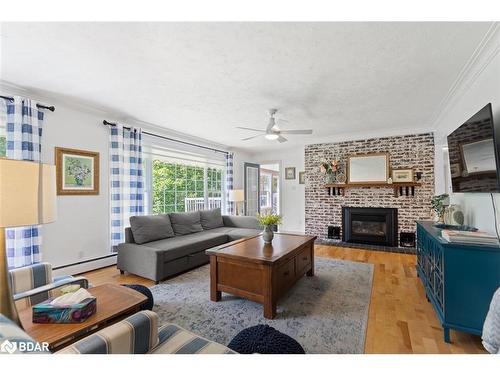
x: 264, y: 339
x: 148, y: 305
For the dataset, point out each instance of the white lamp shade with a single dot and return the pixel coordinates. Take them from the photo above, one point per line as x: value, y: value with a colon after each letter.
x: 27, y: 193
x: 236, y: 195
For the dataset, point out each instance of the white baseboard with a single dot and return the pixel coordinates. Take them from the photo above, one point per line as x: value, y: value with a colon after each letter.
x: 85, y: 266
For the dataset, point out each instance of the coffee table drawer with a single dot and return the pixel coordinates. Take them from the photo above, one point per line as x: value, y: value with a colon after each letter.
x: 286, y: 274
x: 303, y: 260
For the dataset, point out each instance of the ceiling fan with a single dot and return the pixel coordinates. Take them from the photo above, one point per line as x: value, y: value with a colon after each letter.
x: 273, y: 132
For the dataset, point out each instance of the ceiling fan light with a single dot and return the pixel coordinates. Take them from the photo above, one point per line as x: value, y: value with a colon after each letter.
x: 271, y: 136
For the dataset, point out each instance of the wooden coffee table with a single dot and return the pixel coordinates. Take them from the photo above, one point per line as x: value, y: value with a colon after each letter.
x: 251, y: 269
x: 114, y: 303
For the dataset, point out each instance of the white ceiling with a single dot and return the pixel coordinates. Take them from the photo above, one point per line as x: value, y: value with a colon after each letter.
x: 203, y: 79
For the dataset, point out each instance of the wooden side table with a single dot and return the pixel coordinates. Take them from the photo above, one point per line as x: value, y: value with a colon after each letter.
x: 114, y: 303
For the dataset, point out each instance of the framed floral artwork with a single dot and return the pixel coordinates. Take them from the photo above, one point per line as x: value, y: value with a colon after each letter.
x: 77, y: 172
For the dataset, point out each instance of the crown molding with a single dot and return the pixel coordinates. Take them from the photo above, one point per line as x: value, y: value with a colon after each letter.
x: 106, y: 113
x: 483, y: 55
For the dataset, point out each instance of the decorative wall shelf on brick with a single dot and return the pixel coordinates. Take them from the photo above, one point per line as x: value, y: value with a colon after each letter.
x: 400, y: 188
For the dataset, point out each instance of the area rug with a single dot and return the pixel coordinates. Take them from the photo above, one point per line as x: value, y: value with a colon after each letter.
x: 327, y: 313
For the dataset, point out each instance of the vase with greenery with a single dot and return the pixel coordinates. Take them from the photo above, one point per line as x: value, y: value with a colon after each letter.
x: 438, y: 203
x: 268, y: 221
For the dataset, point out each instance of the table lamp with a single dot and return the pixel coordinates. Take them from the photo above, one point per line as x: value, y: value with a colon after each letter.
x: 236, y: 196
x: 27, y: 197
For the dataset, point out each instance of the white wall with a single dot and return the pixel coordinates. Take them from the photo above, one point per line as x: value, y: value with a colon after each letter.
x: 480, y: 85
x: 82, y: 227
x: 292, y: 194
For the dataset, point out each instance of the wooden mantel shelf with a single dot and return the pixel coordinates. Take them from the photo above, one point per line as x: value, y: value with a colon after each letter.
x: 400, y: 188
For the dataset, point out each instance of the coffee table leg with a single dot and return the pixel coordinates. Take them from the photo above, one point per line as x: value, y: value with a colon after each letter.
x: 269, y: 309
x: 311, y: 271
x: 269, y: 294
x: 215, y: 295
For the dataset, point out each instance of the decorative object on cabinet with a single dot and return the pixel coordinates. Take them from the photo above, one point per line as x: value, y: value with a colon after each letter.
x: 290, y: 173
x: 453, y: 215
x: 402, y: 175
x: 439, y: 203
x: 459, y: 280
x: 302, y: 178
x: 368, y: 168
x: 77, y: 172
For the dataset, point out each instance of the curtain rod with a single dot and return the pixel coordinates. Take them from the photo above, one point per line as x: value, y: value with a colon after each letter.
x: 171, y: 139
x: 51, y: 108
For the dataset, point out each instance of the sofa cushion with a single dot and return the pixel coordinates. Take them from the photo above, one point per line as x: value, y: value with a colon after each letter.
x: 150, y: 228
x: 186, y: 222
x: 173, y: 248
x: 211, y: 219
x: 237, y: 233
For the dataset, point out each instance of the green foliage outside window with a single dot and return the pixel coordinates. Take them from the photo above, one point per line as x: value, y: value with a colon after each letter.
x: 174, y: 182
x: 2, y: 146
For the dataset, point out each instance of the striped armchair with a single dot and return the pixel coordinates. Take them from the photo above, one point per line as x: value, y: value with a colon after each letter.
x: 34, y: 284
x: 138, y: 334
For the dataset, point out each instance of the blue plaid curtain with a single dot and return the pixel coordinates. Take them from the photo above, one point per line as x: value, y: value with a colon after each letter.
x: 23, y: 135
x: 229, y: 181
x: 126, y: 179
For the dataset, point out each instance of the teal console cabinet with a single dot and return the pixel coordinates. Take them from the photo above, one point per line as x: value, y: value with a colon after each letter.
x: 459, y: 280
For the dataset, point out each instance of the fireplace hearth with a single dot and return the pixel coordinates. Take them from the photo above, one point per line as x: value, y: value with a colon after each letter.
x: 370, y: 225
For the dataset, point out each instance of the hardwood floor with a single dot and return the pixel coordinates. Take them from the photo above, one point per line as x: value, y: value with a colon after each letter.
x: 400, y: 319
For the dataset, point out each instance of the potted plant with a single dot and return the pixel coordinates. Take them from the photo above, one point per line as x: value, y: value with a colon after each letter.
x: 439, y: 202
x: 268, y: 221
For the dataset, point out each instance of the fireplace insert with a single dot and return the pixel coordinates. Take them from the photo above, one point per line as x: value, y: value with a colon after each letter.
x: 370, y: 225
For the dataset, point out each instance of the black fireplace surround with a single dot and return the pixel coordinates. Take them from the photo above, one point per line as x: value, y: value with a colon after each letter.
x: 370, y: 225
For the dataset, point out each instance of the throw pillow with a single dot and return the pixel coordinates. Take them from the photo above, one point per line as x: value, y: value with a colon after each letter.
x: 211, y: 219
x: 185, y: 222
x: 151, y: 228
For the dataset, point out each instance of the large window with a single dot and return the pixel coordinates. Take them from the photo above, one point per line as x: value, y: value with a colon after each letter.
x: 183, y: 185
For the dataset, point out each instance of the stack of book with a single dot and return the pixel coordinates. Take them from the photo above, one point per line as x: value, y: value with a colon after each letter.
x: 471, y: 238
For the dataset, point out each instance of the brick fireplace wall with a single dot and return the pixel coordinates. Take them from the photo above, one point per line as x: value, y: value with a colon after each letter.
x: 410, y: 151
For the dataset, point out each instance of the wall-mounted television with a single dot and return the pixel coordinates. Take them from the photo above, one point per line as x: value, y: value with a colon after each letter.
x: 473, y: 151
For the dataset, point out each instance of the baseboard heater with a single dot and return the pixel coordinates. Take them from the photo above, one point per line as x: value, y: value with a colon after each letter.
x: 85, y: 265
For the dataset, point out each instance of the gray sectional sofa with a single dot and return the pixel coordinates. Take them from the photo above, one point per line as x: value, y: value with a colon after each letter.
x: 160, y: 246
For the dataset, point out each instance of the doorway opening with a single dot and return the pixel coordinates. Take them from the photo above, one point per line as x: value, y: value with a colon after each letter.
x: 269, y: 198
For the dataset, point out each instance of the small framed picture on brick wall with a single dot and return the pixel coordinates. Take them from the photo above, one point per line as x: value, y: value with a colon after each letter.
x: 402, y: 175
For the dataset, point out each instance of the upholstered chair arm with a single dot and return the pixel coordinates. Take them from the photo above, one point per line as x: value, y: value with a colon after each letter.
x: 40, y: 294
x: 30, y: 277
x: 138, y: 334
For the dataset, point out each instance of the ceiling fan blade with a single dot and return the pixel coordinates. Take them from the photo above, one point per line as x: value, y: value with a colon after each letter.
x: 305, y: 131
x: 252, y: 137
x: 252, y: 129
x: 282, y: 139
x: 271, y: 124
